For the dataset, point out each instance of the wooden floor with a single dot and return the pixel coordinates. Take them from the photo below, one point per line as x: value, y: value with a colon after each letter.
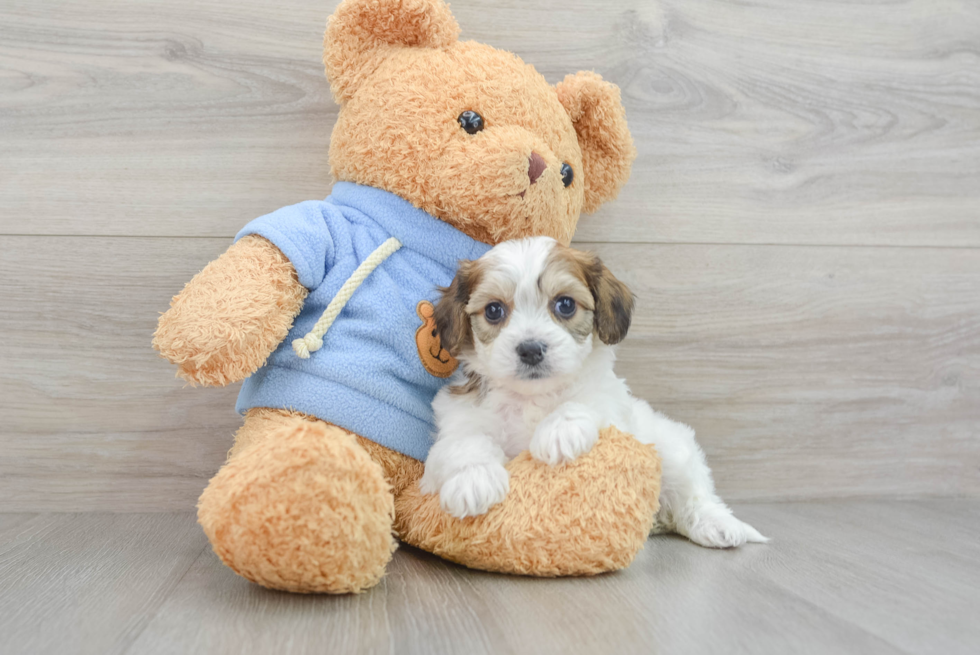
x: 839, y: 577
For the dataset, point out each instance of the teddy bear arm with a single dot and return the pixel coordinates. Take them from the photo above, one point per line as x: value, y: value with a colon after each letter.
x: 229, y: 318
x: 587, y: 516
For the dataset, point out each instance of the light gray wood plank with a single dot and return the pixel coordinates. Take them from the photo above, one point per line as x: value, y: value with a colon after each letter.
x: 808, y: 372
x: 843, y: 576
x: 117, y: 115
x: 675, y: 598
x: 813, y: 372
x: 11, y: 522
x: 788, y: 122
x: 213, y: 611
x: 771, y: 122
x: 89, y: 583
x: 908, y: 572
x: 92, y: 418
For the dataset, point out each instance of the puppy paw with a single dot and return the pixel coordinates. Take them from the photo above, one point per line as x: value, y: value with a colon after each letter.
x: 474, y: 490
x: 716, y: 527
x: 566, y: 433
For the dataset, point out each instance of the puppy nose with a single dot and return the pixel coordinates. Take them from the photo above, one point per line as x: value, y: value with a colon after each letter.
x: 535, y: 166
x: 531, y: 352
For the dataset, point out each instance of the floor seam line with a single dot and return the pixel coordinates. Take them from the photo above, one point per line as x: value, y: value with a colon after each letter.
x: 734, y: 244
x: 828, y: 613
x: 166, y: 597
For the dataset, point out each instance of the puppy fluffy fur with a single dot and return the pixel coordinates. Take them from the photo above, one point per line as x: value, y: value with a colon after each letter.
x: 533, y: 324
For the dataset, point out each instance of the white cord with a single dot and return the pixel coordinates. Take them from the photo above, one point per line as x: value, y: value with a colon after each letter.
x: 313, y: 340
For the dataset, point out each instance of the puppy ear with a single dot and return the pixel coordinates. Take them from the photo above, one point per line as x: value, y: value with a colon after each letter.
x: 452, y: 321
x: 362, y: 33
x: 613, y: 303
x: 600, y: 122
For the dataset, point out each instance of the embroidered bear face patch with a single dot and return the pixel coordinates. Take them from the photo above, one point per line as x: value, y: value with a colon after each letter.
x: 436, y: 360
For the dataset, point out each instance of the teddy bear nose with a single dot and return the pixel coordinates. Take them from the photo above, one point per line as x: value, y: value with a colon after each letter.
x: 535, y: 166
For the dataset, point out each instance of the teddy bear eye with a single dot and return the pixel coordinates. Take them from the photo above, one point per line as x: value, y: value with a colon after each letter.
x: 470, y: 121
x: 567, y: 174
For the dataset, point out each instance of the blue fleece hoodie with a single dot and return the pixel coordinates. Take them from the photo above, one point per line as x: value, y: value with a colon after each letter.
x: 367, y: 377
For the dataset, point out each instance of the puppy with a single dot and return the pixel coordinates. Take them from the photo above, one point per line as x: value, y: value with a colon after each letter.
x: 533, y: 324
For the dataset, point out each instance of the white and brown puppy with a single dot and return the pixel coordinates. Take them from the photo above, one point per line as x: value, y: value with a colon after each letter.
x: 533, y: 324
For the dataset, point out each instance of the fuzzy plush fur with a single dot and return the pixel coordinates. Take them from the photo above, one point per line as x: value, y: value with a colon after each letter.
x: 580, y: 523
x: 591, y: 515
x: 228, y: 319
x: 306, y: 506
x: 301, y: 507
x: 397, y: 128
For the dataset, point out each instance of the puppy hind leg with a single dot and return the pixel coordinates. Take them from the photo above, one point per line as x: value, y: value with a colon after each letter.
x: 688, y: 502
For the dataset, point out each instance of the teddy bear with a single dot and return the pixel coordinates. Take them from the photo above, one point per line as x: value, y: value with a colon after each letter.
x: 442, y: 148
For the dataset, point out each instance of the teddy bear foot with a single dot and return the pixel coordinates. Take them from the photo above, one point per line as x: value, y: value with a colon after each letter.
x: 588, y: 516
x: 300, y: 508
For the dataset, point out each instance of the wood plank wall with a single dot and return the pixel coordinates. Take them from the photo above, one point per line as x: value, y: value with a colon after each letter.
x: 802, y: 226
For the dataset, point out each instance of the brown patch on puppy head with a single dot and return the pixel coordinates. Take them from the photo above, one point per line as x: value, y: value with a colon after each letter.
x: 494, y: 286
x: 451, y: 320
x: 565, y: 275
x: 483, y: 330
x: 613, y: 305
x: 612, y: 310
x: 475, y: 384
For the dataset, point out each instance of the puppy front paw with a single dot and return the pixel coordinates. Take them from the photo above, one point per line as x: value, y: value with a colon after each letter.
x: 474, y: 490
x: 563, y: 435
x: 717, y: 527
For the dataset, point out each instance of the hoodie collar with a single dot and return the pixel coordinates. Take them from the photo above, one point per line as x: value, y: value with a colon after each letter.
x: 416, y: 229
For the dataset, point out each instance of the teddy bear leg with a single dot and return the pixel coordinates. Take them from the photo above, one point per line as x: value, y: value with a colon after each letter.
x: 299, y: 506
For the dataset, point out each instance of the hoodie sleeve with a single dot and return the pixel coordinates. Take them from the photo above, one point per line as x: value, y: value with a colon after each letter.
x: 307, y: 233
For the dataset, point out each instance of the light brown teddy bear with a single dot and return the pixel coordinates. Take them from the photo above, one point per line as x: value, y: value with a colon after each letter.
x: 442, y: 148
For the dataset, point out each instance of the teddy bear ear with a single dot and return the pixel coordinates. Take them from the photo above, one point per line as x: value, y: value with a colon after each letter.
x: 600, y: 122
x: 361, y: 33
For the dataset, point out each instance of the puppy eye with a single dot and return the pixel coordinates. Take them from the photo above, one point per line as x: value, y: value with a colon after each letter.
x: 567, y: 174
x: 494, y: 312
x: 565, y: 307
x: 471, y: 122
